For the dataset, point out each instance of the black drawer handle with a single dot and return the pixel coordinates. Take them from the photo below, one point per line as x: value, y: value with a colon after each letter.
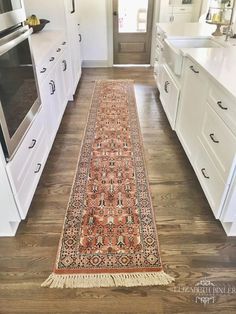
x: 38, y: 168
x: 65, y: 65
x: 219, y: 103
x: 51, y: 59
x: 80, y: 38
x: 203, y: 170
x: 212, y: 136
x: 73, y: 7
x: 32, y: 143
x: 192, y: 68
x: 43, y: 70
x: 59, y: 49
x: 166, y: 86
x: 52, y: 84
x: 64, y: 43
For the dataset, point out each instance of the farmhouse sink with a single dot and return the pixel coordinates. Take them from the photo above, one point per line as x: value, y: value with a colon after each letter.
x: 174, y: 53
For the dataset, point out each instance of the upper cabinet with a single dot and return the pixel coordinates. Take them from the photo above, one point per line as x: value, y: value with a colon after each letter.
x: 63, y: 15
x: 183, y: 11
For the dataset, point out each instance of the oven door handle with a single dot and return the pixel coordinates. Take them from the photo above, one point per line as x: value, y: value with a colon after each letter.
x: 15, y: 41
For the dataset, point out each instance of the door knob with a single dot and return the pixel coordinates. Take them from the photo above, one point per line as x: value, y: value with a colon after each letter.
x: 115, y: 13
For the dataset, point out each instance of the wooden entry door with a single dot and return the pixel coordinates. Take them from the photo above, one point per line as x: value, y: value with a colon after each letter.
x: 132, y: 31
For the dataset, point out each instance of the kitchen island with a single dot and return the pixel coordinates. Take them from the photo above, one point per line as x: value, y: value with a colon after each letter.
x: 200, y: 104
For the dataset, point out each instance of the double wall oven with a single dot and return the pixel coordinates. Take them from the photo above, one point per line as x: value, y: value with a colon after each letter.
x: 19, y: 97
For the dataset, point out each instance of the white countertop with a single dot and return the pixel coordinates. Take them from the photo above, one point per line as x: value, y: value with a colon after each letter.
x: 194, y: 30
x: 43, y: 42
x: 220, y: 63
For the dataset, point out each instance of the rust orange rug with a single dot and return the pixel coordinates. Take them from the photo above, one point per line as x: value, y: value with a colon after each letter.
x: 109, y: 235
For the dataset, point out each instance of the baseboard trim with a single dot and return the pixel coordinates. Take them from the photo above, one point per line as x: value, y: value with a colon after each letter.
x: 95, y: 64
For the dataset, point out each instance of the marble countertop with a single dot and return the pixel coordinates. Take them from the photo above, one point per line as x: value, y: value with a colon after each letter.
x: 220, y: 64
x: 187, y: 30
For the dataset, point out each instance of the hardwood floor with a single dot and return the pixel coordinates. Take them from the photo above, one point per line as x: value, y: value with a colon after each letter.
x: 193, y: 244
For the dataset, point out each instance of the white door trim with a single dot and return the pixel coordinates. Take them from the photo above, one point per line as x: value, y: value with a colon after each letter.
x: 109, y: 32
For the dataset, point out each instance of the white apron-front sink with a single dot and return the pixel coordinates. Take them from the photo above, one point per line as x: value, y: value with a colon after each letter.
x: 173, y: 53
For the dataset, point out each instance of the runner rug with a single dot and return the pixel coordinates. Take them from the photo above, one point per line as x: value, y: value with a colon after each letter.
x: 109, y: 235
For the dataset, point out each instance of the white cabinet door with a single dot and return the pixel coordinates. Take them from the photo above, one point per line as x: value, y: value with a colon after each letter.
x: 63, y: 73
x: 169, y: 95
x: 190, y: 112
x: 213, y: 186
x: 64, y: 16
x: 49, y: 91
x: 75, y: 38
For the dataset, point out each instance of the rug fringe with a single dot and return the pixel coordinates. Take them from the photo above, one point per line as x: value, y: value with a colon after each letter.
x: 107, y: 280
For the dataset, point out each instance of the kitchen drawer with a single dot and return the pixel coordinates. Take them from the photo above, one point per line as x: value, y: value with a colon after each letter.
x: 159, y: 43
x: 219, y: 141
x: 182, y: 9
x: 160, y: 35
x: 224, y: 105
x: 17, y: 167
x: 31, y: 176
x: 50, y: 60
x: 214, y: 187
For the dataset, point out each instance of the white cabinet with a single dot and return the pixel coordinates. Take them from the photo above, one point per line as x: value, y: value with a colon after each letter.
x: 207, y: 130
x: 213, y: 185
x: 9, y: 215
x: 169, y: 95
x: 181, y: 14
x: 158, y: 61
x: 218, y: 140
x: 56, y: 54
x: 26, y: 166
x: 63, y: 15
x: 175, y: 11
x: 54, y: 86
x: 167, y: 83
x: 74, y: 37
x: 193, y: 94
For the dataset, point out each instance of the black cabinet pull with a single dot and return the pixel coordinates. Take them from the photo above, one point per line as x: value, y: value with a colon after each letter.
x: 219, y: 103
x: 65, y: 65
x: 59, y: 49
x: 32, y: 143
x: 51, y: 83
x: 43, y: 70
x: 203, y: 170
x: 166, y: 86
x: 64, y: 43
x: 73, y: 6
x: 80, y: 38
x: 192, y: 68
x: 54, y: 86
x: 38, y: 168
x: 212, y: 136
x: 51, y: 59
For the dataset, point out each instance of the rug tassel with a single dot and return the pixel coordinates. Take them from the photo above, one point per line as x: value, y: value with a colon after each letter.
x: 107, y: 280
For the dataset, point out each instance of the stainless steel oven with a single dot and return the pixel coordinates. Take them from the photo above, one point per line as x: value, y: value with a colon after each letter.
x: 19, y: 100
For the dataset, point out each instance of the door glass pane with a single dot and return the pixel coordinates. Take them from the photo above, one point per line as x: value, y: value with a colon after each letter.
x: 132, y: 16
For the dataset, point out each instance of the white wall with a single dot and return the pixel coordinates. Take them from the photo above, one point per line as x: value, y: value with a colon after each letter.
x: 93, y: 21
